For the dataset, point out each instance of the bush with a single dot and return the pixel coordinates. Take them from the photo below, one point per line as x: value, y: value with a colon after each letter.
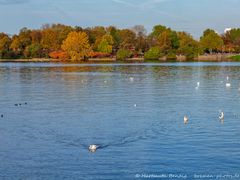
x: 33, y: 51
x: 153, y: 53
x: 99, y: 55
x: 123, y: 54
x: 8, y: 55
x: 171, y: 56
x: 190, y: 56
x: 190, y: 52
x: 58, y: 55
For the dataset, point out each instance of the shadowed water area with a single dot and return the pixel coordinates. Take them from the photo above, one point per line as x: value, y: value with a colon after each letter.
x: 133, y: 112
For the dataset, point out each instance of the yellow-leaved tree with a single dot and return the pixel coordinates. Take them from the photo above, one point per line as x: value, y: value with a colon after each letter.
x: 76, y: 45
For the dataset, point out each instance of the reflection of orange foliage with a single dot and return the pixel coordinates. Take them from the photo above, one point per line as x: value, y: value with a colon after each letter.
x: 58, y: 55
x: 99, y: 55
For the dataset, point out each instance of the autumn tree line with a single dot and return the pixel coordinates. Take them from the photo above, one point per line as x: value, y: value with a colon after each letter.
x: 63, y: 42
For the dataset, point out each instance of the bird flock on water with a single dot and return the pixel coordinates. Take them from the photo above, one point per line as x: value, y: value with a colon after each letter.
x: 221, y: 115
x: 93, y: 147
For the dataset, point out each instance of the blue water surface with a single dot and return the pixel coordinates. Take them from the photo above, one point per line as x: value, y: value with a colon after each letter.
x: 133, y: 112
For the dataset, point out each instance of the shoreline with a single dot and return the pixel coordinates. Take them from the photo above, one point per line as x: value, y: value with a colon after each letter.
x: 202, y: 58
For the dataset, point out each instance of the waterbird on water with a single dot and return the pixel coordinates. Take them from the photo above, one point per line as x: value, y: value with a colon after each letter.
x: 92, y: 148
x: 221, y: 116
x: 185, y: 119
x: 198, y: 85
x: 228, y: 84
x: 131, y: 79
x: 1, y: 115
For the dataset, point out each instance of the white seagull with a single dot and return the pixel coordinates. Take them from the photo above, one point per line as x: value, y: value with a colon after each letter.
x: 131, y: 79
x: 228, y: 84
x: 198, y: 85
x: 185, y: 119
x: 221, y: 116
x: 92, y: 148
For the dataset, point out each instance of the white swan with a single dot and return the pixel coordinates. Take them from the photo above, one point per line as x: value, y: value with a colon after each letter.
x: 92, y: 148
x: 185, y: 119
x: 221, y: 116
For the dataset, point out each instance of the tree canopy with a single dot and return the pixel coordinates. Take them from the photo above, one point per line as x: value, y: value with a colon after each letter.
x: 211, y: 41
x: 59, y: 39
x: 76, y: 45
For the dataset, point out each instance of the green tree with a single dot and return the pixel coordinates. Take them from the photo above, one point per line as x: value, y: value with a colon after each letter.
x: 152, y: 39
x: 21, y: 41
x: 187, y: 45
x: 123, y: 54
x: 158, y: 30
x: 211, y: 41
x: 106, y: 44
x: 114, y: 32
x: 34, y: 51
x: 153, y: 53
x: 168, y: 40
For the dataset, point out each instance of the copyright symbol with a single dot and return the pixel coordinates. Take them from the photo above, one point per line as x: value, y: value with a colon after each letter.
x: 137, y: 176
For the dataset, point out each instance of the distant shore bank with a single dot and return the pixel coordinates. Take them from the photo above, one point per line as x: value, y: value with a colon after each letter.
x: 201, y: 58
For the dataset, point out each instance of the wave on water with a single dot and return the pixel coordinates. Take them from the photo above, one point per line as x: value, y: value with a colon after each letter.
x: 152, y: 132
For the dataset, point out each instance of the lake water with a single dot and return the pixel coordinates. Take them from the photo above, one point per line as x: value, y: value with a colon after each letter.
x: 133, y: 112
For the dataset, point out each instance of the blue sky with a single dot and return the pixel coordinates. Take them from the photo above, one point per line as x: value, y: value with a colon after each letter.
x: 192, y: 16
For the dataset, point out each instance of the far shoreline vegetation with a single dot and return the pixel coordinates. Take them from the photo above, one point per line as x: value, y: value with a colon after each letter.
x: 61, y: 43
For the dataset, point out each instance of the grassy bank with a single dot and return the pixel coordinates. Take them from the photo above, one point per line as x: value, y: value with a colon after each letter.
x: 235, y: 58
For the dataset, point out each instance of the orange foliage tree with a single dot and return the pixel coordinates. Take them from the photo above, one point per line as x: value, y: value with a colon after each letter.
x: 76, y: 45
